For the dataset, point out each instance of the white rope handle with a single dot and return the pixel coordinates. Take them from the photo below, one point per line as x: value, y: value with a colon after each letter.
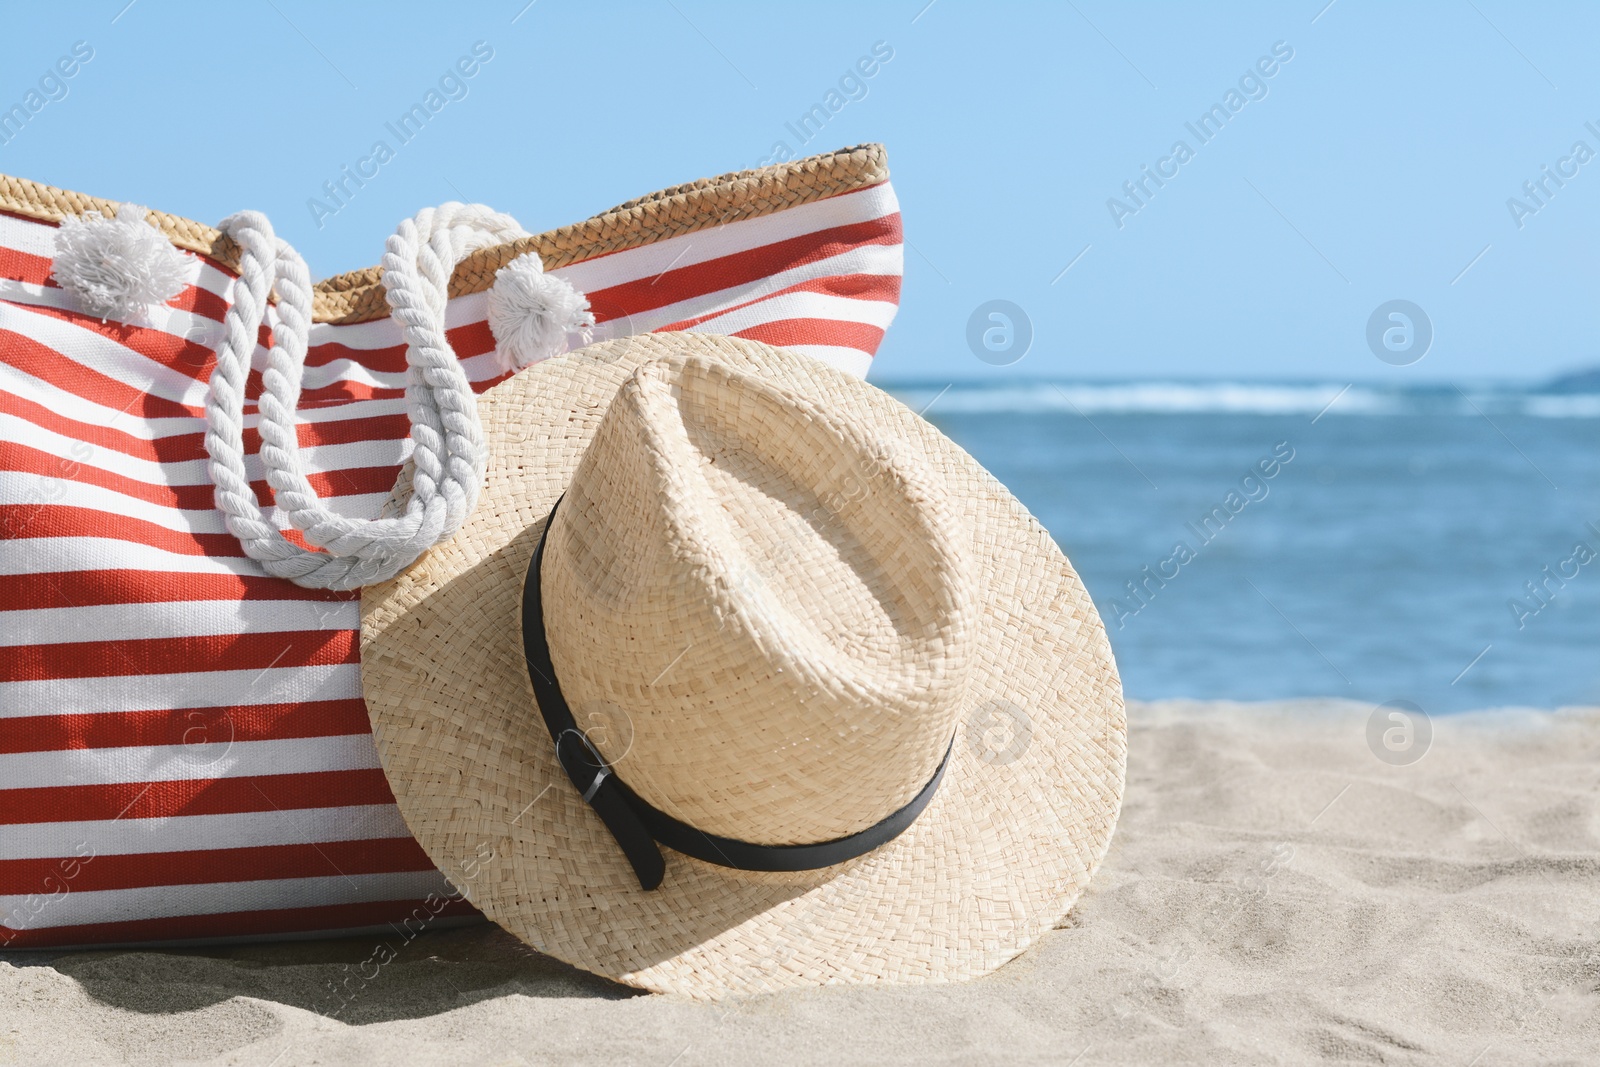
x: 448, y: 448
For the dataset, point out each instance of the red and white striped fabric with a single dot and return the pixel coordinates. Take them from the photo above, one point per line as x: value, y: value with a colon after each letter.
x: 184, y: 752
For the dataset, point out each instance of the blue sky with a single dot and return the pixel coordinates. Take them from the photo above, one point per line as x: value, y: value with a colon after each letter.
x: 1375, y: 164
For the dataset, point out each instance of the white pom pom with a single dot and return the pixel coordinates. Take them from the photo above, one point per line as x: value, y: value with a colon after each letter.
x: 117, y: 267
x: 532, y: 313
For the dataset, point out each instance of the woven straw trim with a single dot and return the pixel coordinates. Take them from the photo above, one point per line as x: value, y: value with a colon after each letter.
x: 49, y: 204
x: 358, y: 295
x: 1005, y: 848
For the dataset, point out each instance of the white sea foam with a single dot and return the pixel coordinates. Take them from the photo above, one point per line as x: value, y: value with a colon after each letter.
x: 1241, y: 398
x: 1577, y: 406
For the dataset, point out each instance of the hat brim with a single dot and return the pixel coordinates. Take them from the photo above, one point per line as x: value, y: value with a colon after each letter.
x: 1017, y: 828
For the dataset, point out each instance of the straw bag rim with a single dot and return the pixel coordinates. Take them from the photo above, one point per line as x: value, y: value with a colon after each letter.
x: 357, y: 296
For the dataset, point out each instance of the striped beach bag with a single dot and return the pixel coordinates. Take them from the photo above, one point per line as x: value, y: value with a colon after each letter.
x: 184, y: 751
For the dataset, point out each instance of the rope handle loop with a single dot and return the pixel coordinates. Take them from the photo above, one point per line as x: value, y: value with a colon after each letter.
x: 448, y: 449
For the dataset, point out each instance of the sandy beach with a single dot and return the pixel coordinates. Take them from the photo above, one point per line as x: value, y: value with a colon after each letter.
x: 1275, y: 893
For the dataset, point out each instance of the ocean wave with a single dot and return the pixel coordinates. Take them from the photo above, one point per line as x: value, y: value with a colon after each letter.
x: 1579, y: 406
x: 1238, y: 398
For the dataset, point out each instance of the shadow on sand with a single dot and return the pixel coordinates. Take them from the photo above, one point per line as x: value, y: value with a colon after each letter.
x: 358, y: 980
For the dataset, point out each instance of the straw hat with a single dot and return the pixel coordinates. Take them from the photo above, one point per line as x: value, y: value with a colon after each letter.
x: 776, y: 621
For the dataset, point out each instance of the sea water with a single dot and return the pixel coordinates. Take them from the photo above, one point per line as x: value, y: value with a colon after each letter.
x: 1253, y: 541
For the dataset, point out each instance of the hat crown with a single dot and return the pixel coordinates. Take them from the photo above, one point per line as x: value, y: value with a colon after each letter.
x: 758, y: 610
